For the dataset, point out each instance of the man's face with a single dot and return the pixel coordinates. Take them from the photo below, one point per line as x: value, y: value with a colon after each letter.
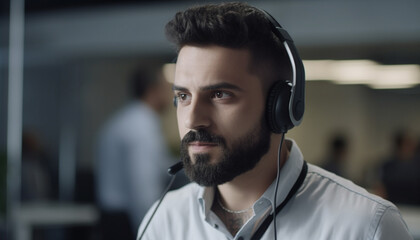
x: 220, y: 113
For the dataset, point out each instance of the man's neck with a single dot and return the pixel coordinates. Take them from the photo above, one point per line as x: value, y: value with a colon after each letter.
x: 233, y: 220
x: 234, y: 200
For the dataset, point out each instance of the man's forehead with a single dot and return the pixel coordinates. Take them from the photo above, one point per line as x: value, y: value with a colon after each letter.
x: 212, y: 56
x: 202, y: 66
x: 221, y: 85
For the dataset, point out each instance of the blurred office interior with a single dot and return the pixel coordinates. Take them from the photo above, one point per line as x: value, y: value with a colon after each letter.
x: 71, y: 60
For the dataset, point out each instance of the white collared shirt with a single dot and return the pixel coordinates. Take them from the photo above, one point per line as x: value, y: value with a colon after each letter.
x: 326, y: 206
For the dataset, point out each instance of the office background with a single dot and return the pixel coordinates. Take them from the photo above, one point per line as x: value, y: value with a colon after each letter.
x: 78, y: 56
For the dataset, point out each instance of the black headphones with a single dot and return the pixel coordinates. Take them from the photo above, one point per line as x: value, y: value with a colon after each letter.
x: 286, y: 99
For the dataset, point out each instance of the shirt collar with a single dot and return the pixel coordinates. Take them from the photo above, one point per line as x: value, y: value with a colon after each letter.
x: 289, y: 173
x: 205, y: 199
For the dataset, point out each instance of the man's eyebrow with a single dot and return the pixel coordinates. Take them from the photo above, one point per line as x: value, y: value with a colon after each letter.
x: 179, y: 88
x: 222, y: 85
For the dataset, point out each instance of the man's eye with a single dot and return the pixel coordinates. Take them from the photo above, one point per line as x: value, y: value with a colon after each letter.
x: 181, y: 97
x: 221, y: 94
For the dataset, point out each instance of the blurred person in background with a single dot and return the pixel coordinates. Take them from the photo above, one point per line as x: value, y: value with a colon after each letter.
x: 337, y: 155
x: 400, y: 173
x: 37, y: 175
x: 132, y: 157
x: 39, y: 179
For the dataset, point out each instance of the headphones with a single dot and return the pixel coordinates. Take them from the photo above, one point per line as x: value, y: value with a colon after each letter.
x: 286, y: 99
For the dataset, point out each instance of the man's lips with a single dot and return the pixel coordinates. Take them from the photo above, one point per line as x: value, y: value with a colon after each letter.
x: 201, y: 146
x: 197, y: 143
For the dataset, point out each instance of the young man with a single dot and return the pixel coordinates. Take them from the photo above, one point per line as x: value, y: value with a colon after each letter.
x: 228, y: 60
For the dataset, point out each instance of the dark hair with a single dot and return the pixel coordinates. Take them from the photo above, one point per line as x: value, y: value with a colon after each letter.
x: 232, y: 25
x: 141, y: 80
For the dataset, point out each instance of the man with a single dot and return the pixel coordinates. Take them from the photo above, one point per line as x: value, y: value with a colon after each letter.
x: 130, y: 158
x: 227, y: 62
x: 337, y: 155
x: 400, y: 173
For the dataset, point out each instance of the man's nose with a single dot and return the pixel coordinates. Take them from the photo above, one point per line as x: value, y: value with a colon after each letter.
x: 198, y: 115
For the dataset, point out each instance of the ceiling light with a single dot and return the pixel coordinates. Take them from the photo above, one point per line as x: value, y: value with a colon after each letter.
x: 363, y: 72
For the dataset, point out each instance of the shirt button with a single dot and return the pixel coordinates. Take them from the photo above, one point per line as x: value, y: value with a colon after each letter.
x: 240, y: 238
x: 216, y: 226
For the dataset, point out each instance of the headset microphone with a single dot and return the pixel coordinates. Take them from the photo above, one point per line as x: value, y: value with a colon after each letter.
x: 173, y: 170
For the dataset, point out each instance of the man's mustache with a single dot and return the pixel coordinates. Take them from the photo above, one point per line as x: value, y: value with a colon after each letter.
x: 202, y: 136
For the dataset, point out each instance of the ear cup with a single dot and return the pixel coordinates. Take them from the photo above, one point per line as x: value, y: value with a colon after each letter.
x: 278, y: 107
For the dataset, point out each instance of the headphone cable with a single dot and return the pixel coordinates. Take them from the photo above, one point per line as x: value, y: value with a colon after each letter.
x: 157, y: 206
x: 277, y: 185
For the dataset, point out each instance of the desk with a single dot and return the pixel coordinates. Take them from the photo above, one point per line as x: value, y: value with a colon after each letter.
x: 51, y: 214
x: 411, y: 216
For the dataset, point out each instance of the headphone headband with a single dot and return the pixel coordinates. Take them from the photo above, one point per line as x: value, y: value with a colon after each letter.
x: 296, y: 104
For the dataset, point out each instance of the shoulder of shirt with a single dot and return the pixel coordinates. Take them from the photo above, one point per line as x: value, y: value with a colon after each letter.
x: 182, y: 197
x: 133, y: 114
x: 345, y: 185
x: 190, y: 190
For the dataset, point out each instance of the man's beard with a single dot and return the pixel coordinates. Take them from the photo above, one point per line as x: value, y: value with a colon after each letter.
x: 243, y: 156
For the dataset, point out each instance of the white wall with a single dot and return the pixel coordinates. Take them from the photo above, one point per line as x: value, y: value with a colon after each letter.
x: 369, y: 117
